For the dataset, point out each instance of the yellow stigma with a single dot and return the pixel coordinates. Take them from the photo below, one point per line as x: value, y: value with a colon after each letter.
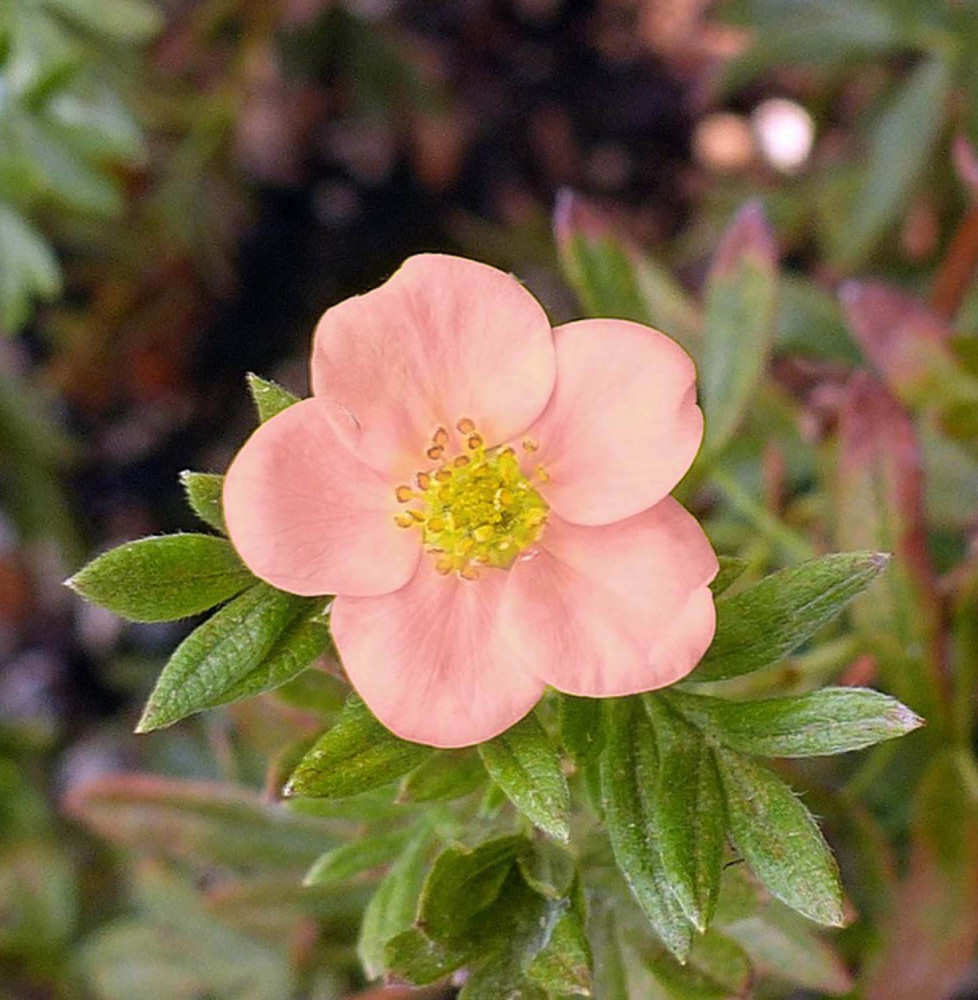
x: 476, y: 509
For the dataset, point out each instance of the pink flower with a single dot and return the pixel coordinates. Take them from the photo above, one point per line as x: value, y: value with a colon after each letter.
x: 487, y: 498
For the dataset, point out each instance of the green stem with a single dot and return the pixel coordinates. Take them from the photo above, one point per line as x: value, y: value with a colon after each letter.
x: 792, y: 545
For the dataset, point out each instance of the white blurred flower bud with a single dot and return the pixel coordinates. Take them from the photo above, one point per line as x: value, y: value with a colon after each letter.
x: 785, y: 133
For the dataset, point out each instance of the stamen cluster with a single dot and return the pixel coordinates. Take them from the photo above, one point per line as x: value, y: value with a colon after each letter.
x: 477, y: 508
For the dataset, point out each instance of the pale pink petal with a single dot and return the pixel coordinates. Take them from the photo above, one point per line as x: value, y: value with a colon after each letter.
x: 429, y: 660
x: 307, y: 516
x: 614, y: 609
x: 444, y: 339
x: 622, y: 426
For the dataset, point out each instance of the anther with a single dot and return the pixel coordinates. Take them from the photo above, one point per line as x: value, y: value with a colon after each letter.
x: 435, y: 452
x: 418, y: 515
x: 483, y: 533
x: 403, y: 520
x: 444, y: 566
x: 469, y: 573
x: 440, y: 437
x: 475, y: 441
x: 436, y: 524
x: 542, y: 474
x: 530, y: 445
x: 504, y: 497
x: 403, y: 494
x: 465, y: 426
x: 423, y: 480
x: 462, y: 461
x: 443, y: 475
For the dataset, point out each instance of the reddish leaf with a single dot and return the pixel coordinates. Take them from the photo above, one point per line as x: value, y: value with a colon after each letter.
x: 965, y: 161
x: 198, y: 820
x: 878, y: 505
x: 908, y: 344
x: 930, y: 938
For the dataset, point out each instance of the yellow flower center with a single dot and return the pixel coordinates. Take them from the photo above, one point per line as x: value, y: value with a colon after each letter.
x: 476, y: 508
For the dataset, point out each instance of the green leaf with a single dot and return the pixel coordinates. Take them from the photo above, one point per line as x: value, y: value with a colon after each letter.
x: 834, y: 720
x: 765, y: 622
x: 62, y: 175
x: 610, y: 972
x: 414, y: 957
x: 206, y: 667
x: 175, y: 940
x: 39, y: 54
x: 357, y: 754
x: 825, y: 33
x: 444, y: 776
x: 810, y: 323
x: 528, y: 929
x: 613, y: 278
x: 392, y: 907
x: 269, y: 397
x: 95, y: 122
x: 950, y: 479
x: 495, y: 944
x: 204, y: 495
x: 791, y: 952
x: 777, y: 940
x: 300, y: 644
x: 28, y: 269
x: 741, y: 299
x: 688, y: 805
x: 463, y: 882
x: 717, y: 969
x: 548, y: 869
x: 138, y: 959
x: 581, y: 730
x: 344, y: 862
x: 122, y: 20
x: 628, y: 774
x: 562, y: 967
x: 900, y: 144
x: 315, y: 691
x: 163, y: 578
x: 200, y: 822
x: 501, y: 975
x: 38, y: 886
x: 526, y: 766
x: 32, y: 453
x: 731, y: 570
x: 723, y: 962
x: 581, y: 736
x: 778, y: 838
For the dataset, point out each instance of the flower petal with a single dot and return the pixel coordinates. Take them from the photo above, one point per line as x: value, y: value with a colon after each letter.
x: 622, y: 426
x: 307, y: 516
x: 429, y: 660
x: 615, y: 609
x: 444, y: 338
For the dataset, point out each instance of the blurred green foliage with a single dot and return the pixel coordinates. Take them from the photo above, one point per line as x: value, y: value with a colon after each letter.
x: 843, y: 416
x: 66, y: 134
